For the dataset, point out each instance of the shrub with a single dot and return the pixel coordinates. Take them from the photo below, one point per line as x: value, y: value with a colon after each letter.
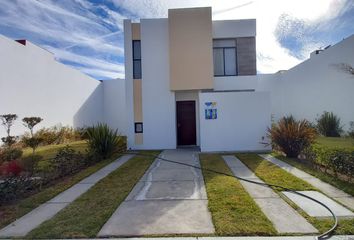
x: 351, y: 129
x: 12, y: 188
x: 30, y: 162
x: 8, y: 154
x: 58, y: 135
x: 291, y: 136
x: 102, y: 140
x: 67, y: 162
x: 328, y: 124
x: 32, y: 142
x: 10, y: 169
x: 338, y: 160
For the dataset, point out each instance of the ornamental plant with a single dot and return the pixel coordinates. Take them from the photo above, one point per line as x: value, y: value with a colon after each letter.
x: 329, y: 125
x: 33, y: 141
x: 291, y: 136
x: 7, y: 120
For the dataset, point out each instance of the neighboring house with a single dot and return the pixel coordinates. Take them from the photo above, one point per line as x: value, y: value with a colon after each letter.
x: 191, y: 81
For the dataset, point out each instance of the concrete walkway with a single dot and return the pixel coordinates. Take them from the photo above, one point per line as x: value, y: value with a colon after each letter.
x: 333, y: 192
x: 22, y: 226
x: 168, y: 199
x: 284, y: 218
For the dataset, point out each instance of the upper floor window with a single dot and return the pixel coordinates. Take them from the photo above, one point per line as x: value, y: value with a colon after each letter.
x: 136, y: 59
x: 225, y: 58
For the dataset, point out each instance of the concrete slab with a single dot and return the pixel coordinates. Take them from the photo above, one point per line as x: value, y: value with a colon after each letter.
x: 333, y: 192
x: 137, y: 218
x: 284, y: 217
x: 46, y: 211
x: 243, y: 172
x: 71, y: 194
x: 173, y: 174
x: 25, y: 224
x: 316, y: 210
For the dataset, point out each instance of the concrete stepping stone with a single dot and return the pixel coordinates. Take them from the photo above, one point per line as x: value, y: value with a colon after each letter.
x: 22, y: 226
x: 316, y: 210
x: 284, y: 218
x: 168, y: 199
x: 333, y: 192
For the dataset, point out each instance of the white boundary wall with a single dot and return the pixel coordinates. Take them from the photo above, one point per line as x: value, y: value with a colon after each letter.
x: 33, y: 83
x: 316, y: 85
x: 241, y: 124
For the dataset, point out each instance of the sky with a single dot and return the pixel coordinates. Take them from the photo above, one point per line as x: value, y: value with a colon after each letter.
x: 88, y: 34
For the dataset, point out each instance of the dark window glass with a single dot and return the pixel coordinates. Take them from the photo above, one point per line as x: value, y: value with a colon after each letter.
x: 225, y: 57
x: 136, y: 59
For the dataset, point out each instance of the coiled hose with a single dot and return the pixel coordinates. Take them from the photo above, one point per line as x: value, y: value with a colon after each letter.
x: 324, y: 235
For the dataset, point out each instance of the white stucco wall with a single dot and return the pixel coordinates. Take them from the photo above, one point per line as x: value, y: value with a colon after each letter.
x: 314, y: 86
x: 32, y: 83
x: 242, y: 121
x: 234, y: 28
x: 159, y: 108
x: 114, y: 104
x: 235, y: 83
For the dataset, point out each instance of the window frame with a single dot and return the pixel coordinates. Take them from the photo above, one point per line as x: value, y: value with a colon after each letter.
x: 136, y: 60
x: 223, y: 55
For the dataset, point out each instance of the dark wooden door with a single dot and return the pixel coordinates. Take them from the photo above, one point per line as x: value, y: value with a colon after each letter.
x: 186, y: 124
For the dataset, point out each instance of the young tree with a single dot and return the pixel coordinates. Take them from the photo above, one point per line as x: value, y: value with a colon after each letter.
x: 33, y: 141
x: 7, y: 121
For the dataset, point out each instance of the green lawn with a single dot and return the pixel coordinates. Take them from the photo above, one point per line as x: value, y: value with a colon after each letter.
x: 271, y: 173
x: 233, y: 211
x: 85, y: 216
x: 10, y: 212
x: 49, y: 151
x: 336, y: 142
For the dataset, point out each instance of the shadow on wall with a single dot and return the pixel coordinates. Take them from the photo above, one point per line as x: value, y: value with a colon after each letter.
x: 91, y: 111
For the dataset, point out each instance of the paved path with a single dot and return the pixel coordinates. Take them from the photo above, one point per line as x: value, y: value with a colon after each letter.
x: 284, y: 218
x: 168, y: 199
x: 333, y: 192
x: 22, y: 226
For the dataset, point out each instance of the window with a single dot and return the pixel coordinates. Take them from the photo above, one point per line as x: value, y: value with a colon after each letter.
x: 138, y: 127
x: 224, y: 57
x: 136, y: 59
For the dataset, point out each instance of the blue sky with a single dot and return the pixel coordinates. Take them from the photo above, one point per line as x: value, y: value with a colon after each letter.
x: 88, y: 34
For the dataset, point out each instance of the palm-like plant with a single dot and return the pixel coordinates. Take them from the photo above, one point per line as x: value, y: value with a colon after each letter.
x: 291, y: 136
x: 329, y: 125
x: 102, y: 140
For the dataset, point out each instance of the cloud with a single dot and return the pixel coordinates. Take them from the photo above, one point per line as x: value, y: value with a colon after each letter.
x: 89, y: 34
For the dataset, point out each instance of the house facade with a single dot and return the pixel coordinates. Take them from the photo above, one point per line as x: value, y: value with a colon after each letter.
x: 191, y: 81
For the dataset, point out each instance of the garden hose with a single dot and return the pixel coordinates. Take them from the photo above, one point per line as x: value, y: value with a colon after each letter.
x: 324, y: 235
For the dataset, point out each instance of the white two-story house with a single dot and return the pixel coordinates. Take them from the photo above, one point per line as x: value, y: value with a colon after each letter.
x: 191, y: 81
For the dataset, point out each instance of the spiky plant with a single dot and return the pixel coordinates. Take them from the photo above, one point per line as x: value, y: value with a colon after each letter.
x: 102, y: 140
x: 329, y: 125
x: 291, y: 136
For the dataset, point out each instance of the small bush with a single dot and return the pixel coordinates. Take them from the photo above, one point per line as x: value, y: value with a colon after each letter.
x: 8, y: 154
x: 351, y: 129
x: 291, y: 136
x: 67, y: 162
x: 12, y: 188
x: 58, y: 135
x: 328, y: 124
x: 337, y: 160
x: 32, y: 142
x: 102, y: 140
x: 30, y: 163
x: 11, y: 169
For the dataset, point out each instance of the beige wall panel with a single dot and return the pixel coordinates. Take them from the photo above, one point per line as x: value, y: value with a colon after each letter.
x: 138, y: 138
x: 137, y: 93
x: 190, y: 38
x: 136, y: 31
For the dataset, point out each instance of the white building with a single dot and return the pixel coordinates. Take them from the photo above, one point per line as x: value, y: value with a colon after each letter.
x: 189, y: 81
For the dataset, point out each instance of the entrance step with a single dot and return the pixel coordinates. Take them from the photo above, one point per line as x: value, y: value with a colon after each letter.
x: 284, y: 218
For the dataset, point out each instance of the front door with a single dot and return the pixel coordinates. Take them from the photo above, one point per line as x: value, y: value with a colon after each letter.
x: 186, y: 124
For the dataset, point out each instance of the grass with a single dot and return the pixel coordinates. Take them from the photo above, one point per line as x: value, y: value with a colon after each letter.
x: 10, y: 212
x: 271, y: 173
x: 343, y: 185
x: 85, y: 216
x: 336, y: 142
x: 49, y: 151
x: 233, y: 211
